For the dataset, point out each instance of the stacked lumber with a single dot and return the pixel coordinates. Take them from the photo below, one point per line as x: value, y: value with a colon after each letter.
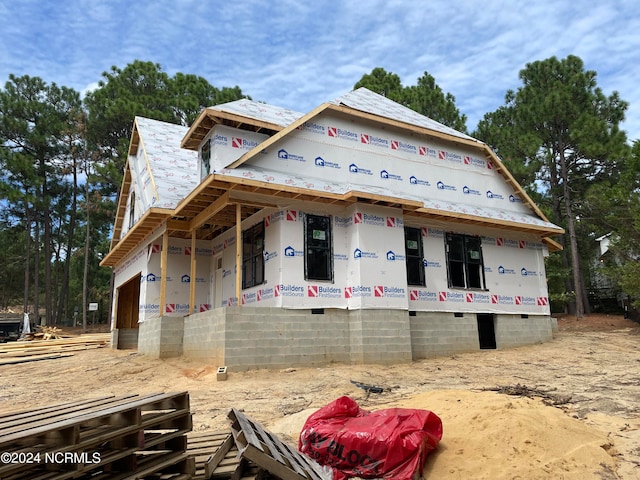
x: 46, y: 333
x: 29, y: 351
x: 113, y: 438
x: 248, y: 452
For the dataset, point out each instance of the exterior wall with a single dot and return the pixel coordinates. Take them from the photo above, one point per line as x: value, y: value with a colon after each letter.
x: 161, y: 337
x: 380, y: 336
x: 369, y: 265
x: 515, y: 331
x: 246, y: 338
x: 204, y: 335
x: 124, y: 338
x: 436, y: 334
x: 178, y: 279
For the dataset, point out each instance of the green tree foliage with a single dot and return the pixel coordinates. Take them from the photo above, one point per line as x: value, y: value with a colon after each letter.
x: 384, y: 83
x: 615, y: 208
x: 559, y: 134
x: 34, y: 118
x: 144, y: 89
x: 426, y: 97
x: 61, y: 164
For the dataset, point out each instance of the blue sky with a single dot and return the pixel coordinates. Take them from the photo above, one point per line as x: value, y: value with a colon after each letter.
x: 298, y: 54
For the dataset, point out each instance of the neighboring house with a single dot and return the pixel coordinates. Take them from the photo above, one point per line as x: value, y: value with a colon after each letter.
x: 359, y: 232
x: 605, y: 295
x: 602, y: 284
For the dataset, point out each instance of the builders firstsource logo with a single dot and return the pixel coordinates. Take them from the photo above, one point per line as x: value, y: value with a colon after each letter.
x: 342, y: 134
x: 243, y: 143
x: 388, y: 291
x: 403, y: 146
x: 319, y: 291
x: 373, y: 140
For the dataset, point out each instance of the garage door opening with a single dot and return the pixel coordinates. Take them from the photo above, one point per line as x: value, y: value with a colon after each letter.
x: 128, y: 298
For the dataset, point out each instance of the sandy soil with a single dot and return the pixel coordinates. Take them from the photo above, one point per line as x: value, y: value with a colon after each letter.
x: 591, y: 369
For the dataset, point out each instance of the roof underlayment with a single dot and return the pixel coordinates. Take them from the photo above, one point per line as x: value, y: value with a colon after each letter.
x: 170, y: 179
x: 259, y: 111
x: 367, y: 101
x: 173, y: 170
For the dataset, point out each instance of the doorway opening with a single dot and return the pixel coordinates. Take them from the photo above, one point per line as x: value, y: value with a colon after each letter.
x: 486, y: 331
x: 127, y: 309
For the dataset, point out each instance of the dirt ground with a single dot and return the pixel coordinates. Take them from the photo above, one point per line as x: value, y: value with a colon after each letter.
x: 591, y: 370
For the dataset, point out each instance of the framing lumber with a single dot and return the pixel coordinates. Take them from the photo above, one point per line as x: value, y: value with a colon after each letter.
x: 209, y: 212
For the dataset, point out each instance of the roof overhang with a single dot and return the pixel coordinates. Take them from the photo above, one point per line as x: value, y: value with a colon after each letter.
x: 211, y: 209
x: 149, y: 222
x: 210, y: 117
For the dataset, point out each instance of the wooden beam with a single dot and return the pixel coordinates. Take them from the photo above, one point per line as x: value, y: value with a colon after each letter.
x: 209, y: 212
x: 178, y: 225
x: 238, y: 252
x: 192, y: 280
x: 164, y: 256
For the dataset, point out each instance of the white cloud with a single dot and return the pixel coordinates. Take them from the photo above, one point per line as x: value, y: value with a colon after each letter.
x: 299, y: 54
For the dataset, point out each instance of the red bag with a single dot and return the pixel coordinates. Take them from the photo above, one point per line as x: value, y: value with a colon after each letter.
x: 390, y: 444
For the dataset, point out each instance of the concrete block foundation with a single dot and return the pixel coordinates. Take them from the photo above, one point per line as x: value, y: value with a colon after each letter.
x: 161, y: 337
x: 243, y: 338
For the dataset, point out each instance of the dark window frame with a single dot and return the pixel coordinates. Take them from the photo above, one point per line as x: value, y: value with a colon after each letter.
x: 414, y: 257
x: 253, y: 256
x: 205, y: 157
x: 318, y: 251
x: 465, y: 261
x: 132, y: 208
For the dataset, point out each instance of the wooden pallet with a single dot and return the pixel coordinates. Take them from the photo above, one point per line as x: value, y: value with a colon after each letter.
x: 134, y: 436
x: 268, y: 452
x: 217, y: 458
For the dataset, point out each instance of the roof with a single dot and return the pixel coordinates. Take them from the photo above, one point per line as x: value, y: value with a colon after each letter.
x: 367, y: 101
x: 173, y: 169
x: 244, y: 114
x: 165, y: 173
x: 368, y: 105
x: 208, y: 208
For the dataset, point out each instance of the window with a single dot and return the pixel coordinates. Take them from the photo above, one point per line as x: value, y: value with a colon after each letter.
x: 414, y: 255
x: 464, y: 261
x: 206, y: 158
x: 252, y: 256
x: 318, y: 258
x: 132, y: 208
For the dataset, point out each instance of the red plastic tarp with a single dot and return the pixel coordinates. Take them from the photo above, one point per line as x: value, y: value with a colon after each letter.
x: 392, y: 443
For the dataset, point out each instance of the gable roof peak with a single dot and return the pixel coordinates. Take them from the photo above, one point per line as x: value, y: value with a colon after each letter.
x: 367, y: 101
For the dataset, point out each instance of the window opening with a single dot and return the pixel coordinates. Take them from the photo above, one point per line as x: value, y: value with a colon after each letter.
x: 465, y: 265
x: 318, y: 258
x: 414, y: 256
x: 252, y: 256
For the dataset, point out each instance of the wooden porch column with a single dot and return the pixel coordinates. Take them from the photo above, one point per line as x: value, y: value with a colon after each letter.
x: 238, y: 252
x: 192, y: 282
x: 163, y: 271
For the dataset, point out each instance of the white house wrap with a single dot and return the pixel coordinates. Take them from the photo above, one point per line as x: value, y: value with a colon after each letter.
x: 284, y: 227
